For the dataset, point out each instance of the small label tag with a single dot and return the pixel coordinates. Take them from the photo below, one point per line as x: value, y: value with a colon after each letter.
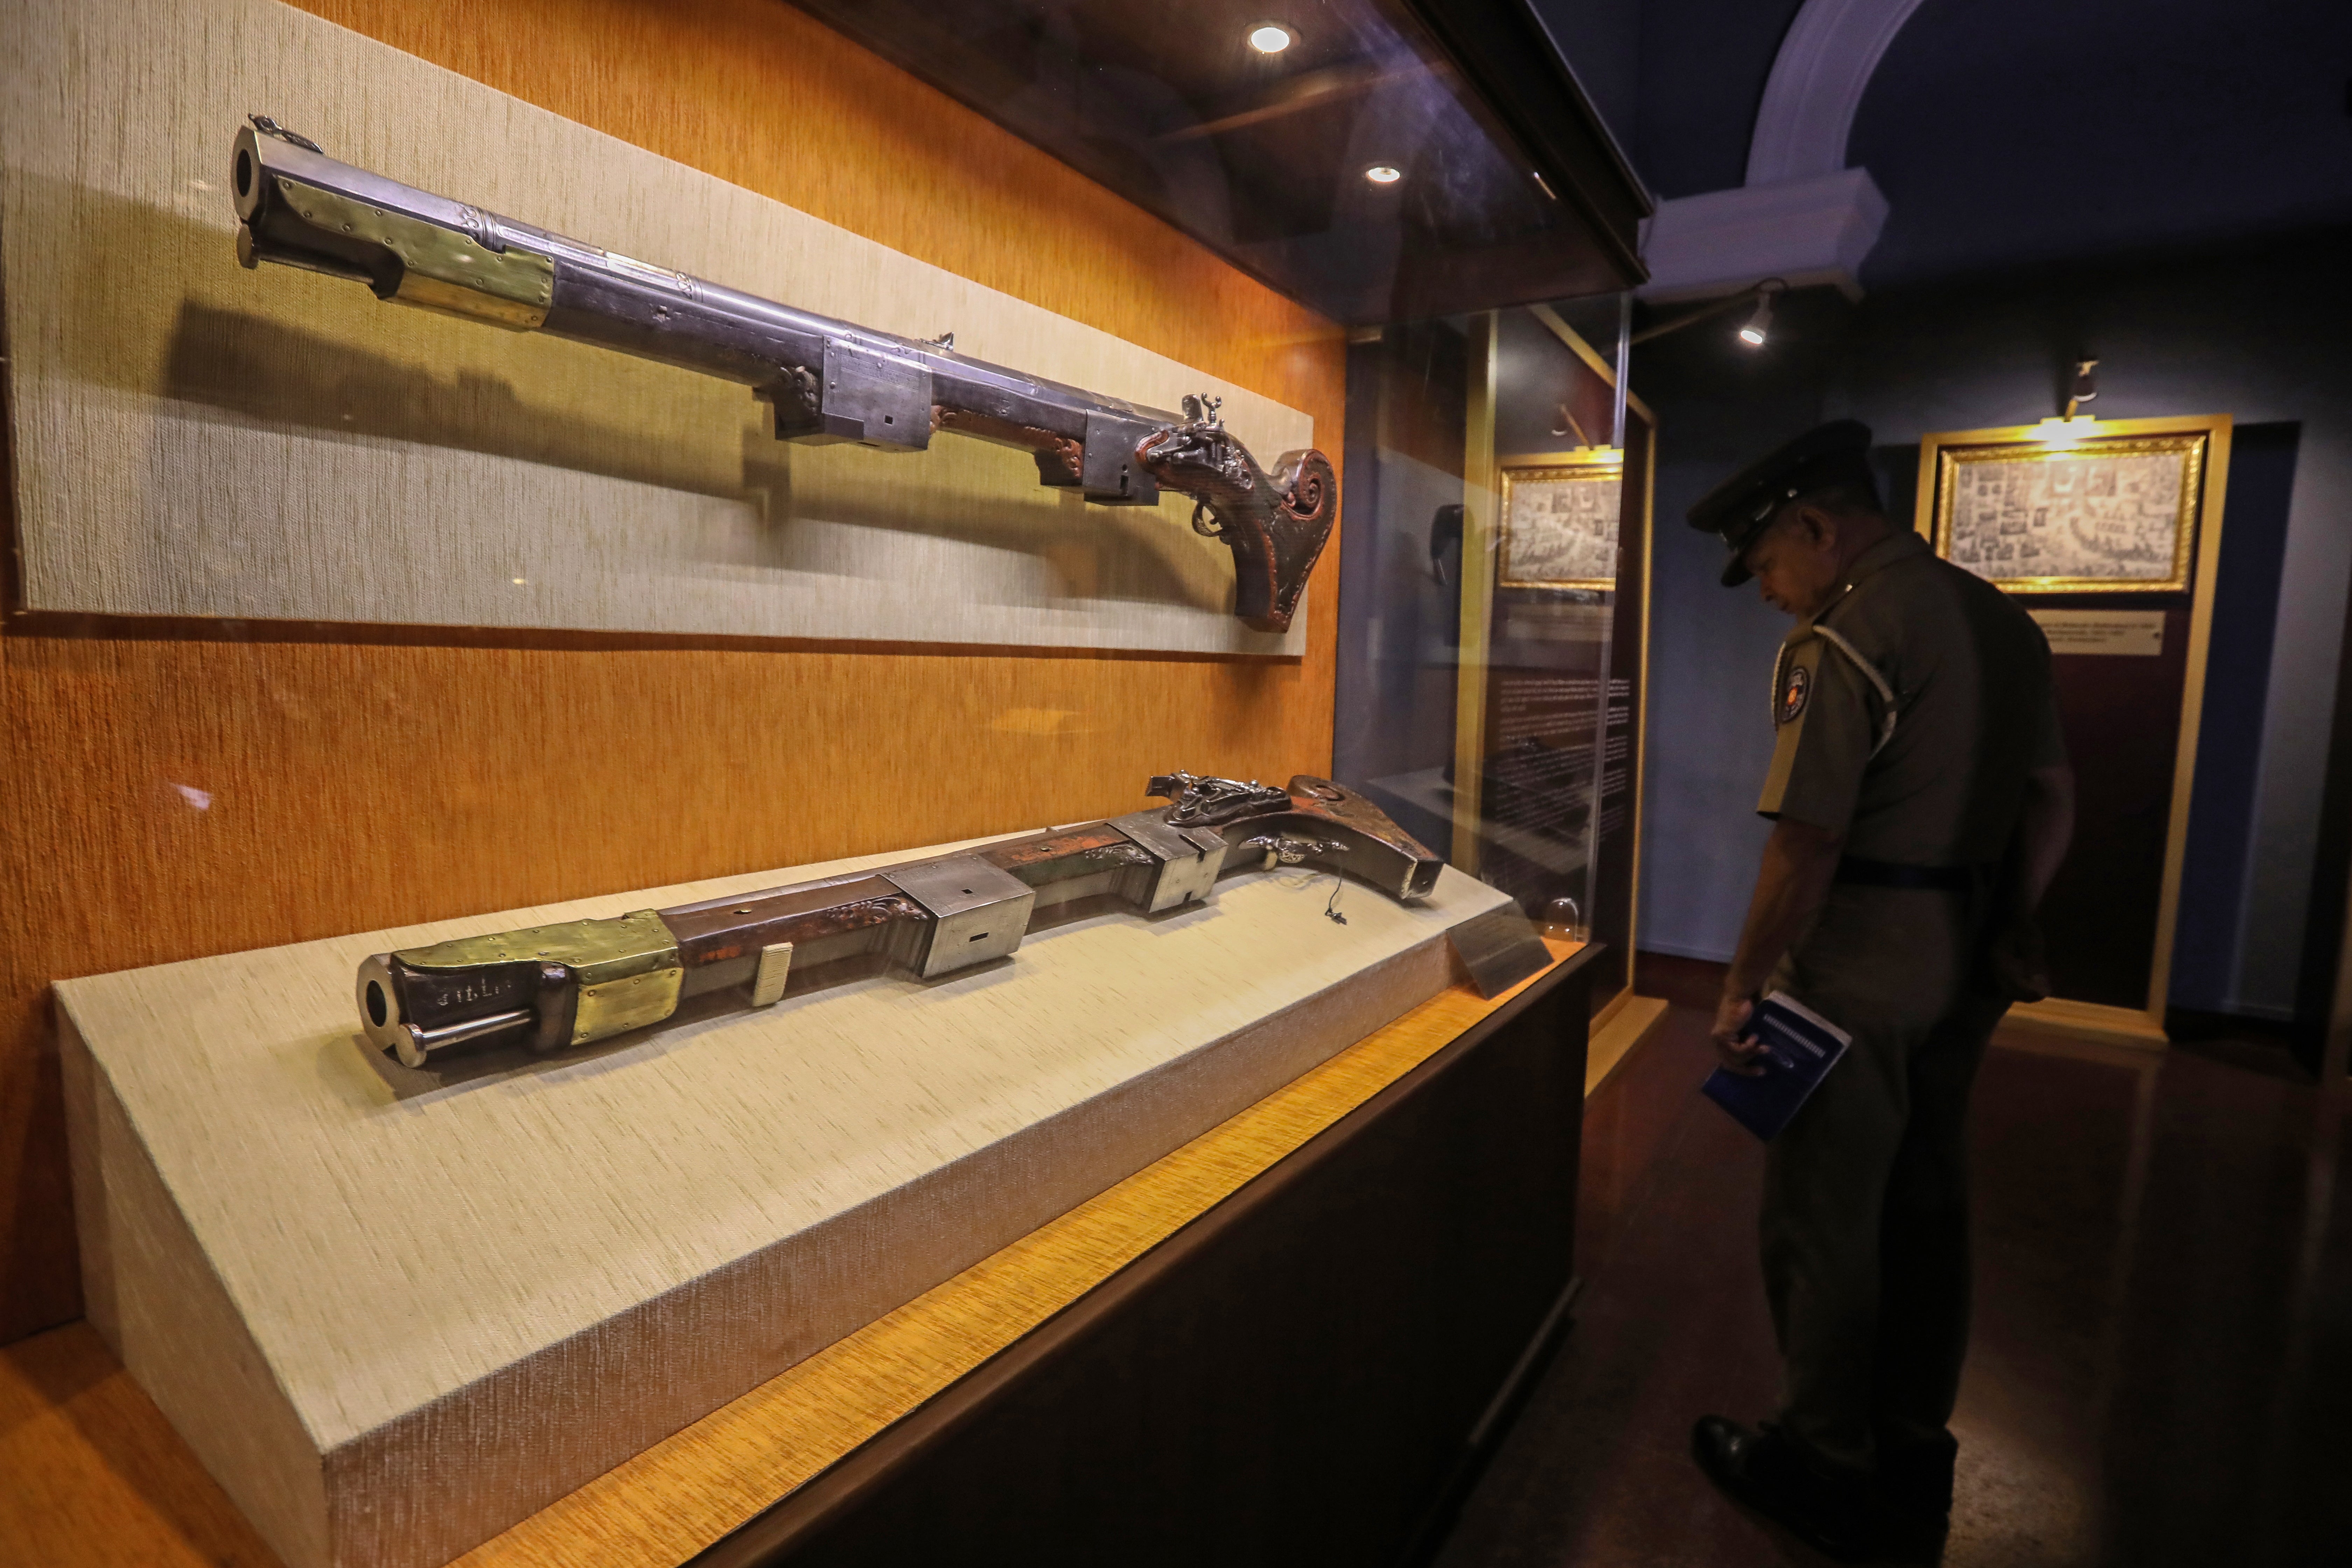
x: 775, y: 968
x: 2138, y: 633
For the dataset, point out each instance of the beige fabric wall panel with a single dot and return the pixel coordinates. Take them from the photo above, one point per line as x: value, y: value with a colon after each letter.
x: 468, y: 1302
x: 193, y: 440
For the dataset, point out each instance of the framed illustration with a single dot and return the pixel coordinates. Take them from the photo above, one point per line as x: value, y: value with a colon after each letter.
x: 1559, y: 519
x: 2072, y: 505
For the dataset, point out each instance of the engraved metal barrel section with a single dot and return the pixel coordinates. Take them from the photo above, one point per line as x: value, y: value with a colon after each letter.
x: 1185, y: 860
x: 573, y: 983
x: 301, y: 209
x: 979, y: 913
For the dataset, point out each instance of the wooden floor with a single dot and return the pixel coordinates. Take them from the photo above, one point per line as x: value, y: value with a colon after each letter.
x: 2162, y: 1366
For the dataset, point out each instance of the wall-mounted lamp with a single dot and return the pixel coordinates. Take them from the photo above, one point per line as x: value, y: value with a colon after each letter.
x: 1271, y: 38
x: 1754, y: 332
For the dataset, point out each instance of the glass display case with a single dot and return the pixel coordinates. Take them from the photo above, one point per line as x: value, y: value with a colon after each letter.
x: 1493, y: 606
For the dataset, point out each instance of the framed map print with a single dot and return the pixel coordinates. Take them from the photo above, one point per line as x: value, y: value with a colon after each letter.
x: 2060, y: 508
x: 1560, y: 520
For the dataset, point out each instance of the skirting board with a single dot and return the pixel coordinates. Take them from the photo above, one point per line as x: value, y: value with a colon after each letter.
x: 192, y: 439
x: 1616, y: 1031
x: 392, y: 1328
x: 2088, y: 1021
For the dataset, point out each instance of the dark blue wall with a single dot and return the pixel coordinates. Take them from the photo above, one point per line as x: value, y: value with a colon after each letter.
x: 2262, y: 333
x: 2008, y: 131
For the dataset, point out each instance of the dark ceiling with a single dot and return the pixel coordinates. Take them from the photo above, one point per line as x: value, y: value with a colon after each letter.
x: 1497, y: 185
x: 2006, y: 132
x: 2010, y: 131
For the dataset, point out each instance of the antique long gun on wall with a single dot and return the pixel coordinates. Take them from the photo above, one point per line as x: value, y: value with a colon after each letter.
x: 827, y: 379
x: 551, y: 988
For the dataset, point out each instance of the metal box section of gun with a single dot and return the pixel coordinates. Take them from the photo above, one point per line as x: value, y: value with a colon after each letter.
x: 551, y: 988
x: 827, y: 379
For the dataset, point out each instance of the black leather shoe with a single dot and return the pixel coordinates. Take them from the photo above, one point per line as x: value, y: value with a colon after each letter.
x: 1764, y: 1471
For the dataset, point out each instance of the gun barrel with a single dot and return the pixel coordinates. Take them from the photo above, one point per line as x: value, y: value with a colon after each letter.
x: 300, y: 208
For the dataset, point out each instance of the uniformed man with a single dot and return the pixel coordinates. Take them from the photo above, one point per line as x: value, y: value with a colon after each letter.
x: 1921, y: 802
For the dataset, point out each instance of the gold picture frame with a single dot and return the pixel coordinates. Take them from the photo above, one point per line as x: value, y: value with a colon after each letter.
x: 1554, y: 545
x: 2072, y: 506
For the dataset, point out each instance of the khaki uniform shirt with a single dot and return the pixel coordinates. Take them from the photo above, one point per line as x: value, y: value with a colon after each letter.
x: 1909, y: 711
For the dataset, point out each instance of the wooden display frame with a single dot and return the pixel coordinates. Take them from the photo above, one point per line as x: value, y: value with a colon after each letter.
x: 2201, y: 554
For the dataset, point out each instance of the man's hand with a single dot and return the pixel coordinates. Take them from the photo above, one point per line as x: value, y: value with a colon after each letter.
x: 1739, y: 1051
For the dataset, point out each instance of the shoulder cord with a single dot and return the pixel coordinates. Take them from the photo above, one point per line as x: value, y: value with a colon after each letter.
x: 1870, y: 673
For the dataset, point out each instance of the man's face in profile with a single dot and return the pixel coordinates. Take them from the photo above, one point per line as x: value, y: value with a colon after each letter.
x: 1796, y: 560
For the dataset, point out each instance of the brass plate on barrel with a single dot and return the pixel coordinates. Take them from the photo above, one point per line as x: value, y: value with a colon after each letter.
x: 628, y: 967
x: 441, y: 270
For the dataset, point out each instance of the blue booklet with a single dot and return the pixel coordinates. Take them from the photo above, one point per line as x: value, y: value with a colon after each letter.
x: 1800, y: 1048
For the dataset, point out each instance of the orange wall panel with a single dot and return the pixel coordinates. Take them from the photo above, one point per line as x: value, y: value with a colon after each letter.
x: 178, y: 789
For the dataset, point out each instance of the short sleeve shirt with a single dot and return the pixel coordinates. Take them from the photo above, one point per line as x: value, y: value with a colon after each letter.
x: 1907, y: 713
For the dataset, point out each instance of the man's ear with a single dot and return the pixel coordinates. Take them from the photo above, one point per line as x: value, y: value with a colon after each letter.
x: 1818, y: 526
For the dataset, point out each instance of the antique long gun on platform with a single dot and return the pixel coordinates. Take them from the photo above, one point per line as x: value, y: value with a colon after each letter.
x: 827, y: 379
x: 551, y: 988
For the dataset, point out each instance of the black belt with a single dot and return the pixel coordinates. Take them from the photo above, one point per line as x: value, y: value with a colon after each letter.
x: 1863, y: 873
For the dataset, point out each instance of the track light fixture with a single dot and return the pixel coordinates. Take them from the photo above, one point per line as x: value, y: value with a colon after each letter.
x: 1754, y: 332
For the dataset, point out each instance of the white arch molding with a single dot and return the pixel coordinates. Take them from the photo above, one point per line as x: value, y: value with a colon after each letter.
x: 1802, y: 216
x: 1817, y: 82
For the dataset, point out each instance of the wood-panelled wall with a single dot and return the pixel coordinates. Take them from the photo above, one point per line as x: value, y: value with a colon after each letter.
x: 168, y: 792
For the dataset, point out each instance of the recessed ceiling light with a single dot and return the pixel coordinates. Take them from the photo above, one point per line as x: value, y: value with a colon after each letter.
x: 1271, y: 38
x: 1383, y: 175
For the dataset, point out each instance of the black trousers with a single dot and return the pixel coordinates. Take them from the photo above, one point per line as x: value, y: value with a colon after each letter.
x: 1865, y: 1215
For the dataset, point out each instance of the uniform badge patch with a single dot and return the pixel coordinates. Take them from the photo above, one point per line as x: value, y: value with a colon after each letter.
x: 1795, y: 688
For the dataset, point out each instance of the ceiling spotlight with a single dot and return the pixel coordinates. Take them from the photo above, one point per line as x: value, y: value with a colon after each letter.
x: 1271, y: 38
x: 1759, y: 321
x: 1383, y: 175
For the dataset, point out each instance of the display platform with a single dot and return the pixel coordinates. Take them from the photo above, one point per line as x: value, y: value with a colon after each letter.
x: 394, y: 1327
x: 105, y: 1479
